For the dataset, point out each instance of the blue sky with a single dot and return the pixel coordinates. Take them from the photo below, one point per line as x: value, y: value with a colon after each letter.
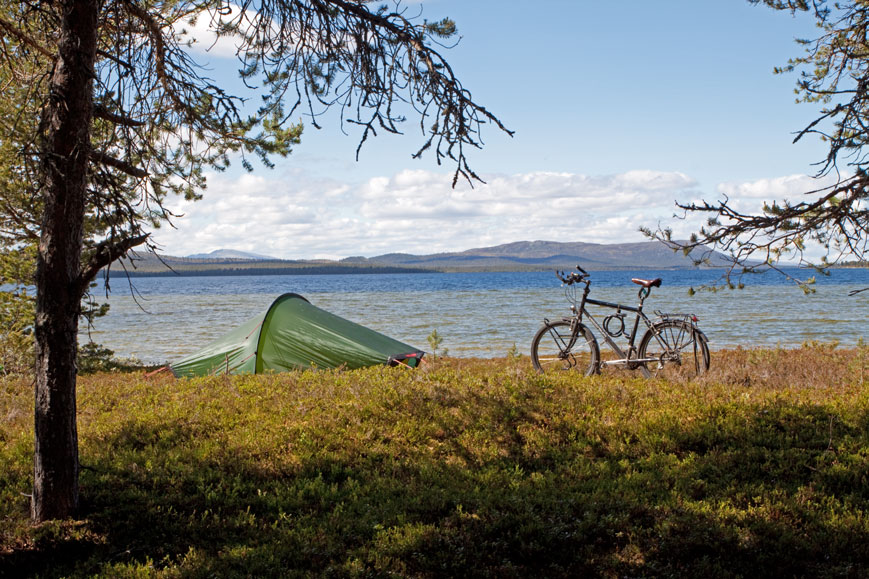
x: 618, y: 110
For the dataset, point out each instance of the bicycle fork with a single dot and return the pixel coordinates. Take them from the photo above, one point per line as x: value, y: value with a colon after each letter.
x: 565, y: 348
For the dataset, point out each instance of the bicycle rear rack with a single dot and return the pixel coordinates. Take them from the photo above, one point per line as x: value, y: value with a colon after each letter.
x: 667, y: 317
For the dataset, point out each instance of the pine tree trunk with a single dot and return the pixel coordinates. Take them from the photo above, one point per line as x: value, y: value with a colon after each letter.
x: 66, y: 147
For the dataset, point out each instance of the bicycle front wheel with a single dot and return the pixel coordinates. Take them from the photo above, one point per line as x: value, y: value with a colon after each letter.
x: 556, y: 347
x: 674, y: 349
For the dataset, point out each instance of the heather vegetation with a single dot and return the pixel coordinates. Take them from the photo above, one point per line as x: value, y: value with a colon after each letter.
x: 462, y: 467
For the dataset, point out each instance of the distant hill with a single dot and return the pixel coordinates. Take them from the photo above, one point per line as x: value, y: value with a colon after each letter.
x: 546, y: 255
x: 230, y: 254
x: 518, y: 256
x: 148, y: 264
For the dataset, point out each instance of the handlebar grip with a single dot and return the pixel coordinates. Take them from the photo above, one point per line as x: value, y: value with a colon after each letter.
x: 581, y: 270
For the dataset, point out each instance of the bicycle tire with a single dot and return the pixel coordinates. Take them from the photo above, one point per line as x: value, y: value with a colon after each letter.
x: 555, y: 347
x: 681, y: 350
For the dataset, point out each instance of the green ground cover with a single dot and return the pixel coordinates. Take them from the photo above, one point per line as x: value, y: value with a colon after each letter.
x: 461, y: 468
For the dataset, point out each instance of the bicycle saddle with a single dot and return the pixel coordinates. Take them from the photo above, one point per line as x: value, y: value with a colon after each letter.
x: 647, y: 283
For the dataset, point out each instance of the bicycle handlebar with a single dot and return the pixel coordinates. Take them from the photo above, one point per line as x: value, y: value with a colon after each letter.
x: 572, y: 277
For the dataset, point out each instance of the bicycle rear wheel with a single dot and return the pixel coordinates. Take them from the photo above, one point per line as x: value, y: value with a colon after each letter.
x: 678, y: 348
x: 556, y: 347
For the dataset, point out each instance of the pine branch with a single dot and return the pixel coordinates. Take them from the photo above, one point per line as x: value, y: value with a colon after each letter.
x: 22, y: 36
x: 118, y: 164
x: 107, y: 252
x: 102, y: 112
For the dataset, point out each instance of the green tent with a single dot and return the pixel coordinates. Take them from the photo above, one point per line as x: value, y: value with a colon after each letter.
x: 293, y: 334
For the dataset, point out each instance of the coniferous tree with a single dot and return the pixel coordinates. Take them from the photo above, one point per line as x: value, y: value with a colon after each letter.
x: 125, y: 116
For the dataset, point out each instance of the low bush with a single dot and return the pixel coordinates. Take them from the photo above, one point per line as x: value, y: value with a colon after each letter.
x: 460, y: 468
x: 93, y: 358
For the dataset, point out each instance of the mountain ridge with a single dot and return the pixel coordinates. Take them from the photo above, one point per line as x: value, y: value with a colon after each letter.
x: 515, y: 256
x: 651, y: 254
x: 231, y: 254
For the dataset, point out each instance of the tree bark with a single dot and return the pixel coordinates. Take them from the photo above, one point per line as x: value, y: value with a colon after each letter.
x: 66, y: 149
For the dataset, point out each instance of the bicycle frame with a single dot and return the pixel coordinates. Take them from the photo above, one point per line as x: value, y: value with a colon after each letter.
x: 624, y: 358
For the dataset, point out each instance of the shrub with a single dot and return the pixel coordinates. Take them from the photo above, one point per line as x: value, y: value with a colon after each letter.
x: 468, y: 468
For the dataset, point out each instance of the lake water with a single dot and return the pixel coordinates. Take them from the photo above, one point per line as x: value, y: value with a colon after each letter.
x: 476, y: 314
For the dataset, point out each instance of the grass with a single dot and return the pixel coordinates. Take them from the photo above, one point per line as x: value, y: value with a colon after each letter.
x: 461, y: 468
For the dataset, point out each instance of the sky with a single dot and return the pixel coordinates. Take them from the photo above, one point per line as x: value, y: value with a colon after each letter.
x: 619, y: 110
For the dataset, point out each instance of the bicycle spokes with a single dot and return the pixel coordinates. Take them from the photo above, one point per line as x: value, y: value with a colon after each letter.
x: 677, y: 349
x: 564, y: 346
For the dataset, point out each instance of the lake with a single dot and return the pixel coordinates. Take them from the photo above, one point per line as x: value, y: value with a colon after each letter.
x: 477, y: 314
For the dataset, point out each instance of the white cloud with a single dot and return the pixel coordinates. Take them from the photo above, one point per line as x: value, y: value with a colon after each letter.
x: 225, y: 32
x: 294, y: 215
x: 750, y: 196
x: 201, y: 32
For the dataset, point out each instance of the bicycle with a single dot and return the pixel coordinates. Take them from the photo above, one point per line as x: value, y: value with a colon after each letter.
x: 672, y: 346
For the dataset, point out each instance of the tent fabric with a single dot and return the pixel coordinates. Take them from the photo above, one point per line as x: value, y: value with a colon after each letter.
x: 292, y: 334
